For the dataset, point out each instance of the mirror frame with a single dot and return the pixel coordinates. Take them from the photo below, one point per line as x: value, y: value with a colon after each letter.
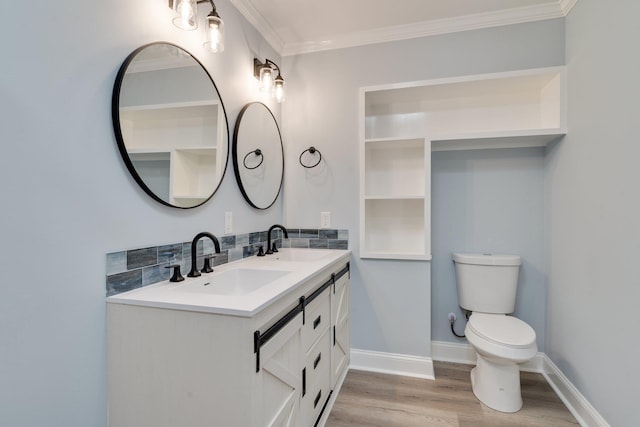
x: 115, y: 116
x: 236, y: 163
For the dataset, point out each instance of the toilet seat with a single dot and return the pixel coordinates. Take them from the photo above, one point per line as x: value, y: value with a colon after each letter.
x: 502, y: 330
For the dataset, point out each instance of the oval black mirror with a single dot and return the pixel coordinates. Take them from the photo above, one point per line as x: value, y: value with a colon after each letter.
x: 258, y: 156
x: 170, y: 125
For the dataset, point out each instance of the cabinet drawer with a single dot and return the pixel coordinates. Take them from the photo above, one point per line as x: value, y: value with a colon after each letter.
x: 317, y: 318
x: 317, y: 379
x: 318, y: 359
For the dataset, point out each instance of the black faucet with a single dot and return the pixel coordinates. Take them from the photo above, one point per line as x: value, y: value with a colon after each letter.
x: 194, y: 269
x: 273, y: 249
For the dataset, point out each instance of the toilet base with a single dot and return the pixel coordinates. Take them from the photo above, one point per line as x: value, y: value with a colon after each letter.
x: 496, y: 383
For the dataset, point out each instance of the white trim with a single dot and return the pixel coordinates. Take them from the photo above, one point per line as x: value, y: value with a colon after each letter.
x: 464, y: 353
x: 443, y: 351
x: 391, y: 363
x: 550, y: 10
x: 567, y: 5
x: 579, y: 406
x: 431, y: 28
x: 255, y: 18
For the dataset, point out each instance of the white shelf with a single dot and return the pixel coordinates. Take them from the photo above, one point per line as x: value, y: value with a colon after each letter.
x: 198, y: 150
x: 484, y: 140
x: 395, y: 226
x: 529, y: 100
x: 402, y: 123
x: 396, y: 255
x: 171, y: 126
x: 167, y: 106
x: 194, y: 197
x: 503, y: 139
x: 395, y: 197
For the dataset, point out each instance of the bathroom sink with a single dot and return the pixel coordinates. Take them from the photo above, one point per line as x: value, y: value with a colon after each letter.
x: 239, y: 281
x: 299, y: 255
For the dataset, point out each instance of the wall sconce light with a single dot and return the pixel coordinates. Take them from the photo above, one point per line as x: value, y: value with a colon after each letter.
x: 187, y: 11
x: 187, y: 19
x: 264, y: 72
x: 215, y: 31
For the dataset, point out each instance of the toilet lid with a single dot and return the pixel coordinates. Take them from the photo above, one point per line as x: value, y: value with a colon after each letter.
x: 503, y: 330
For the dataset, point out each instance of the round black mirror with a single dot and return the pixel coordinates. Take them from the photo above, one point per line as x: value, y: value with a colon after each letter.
x: 170, y: 125
x: 258, y: 156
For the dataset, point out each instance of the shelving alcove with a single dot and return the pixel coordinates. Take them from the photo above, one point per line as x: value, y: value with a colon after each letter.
x: 166, y: 141
x: 401, y: 124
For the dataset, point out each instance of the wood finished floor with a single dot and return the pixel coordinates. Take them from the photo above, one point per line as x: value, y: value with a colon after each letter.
x: 380, y: 400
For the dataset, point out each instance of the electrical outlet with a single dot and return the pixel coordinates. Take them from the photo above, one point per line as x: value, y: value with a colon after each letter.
x: 228, y: 223
x: 325, y: 219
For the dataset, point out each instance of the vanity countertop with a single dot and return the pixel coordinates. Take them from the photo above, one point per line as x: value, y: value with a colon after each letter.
x: 240, y: 288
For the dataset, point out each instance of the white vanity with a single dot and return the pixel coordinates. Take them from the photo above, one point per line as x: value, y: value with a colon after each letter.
x: 258, y: 342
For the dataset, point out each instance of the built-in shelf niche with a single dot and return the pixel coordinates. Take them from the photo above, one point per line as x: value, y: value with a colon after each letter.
x: 169, y: 139
x: 402, y: 123
x: 394, y: 168
x: 528, y: 104
x: 394, y: 202
x: 394, y: 229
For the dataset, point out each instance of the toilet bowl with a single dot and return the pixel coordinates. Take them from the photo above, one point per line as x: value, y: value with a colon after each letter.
x: 487, y: 288
x: 501, y: 343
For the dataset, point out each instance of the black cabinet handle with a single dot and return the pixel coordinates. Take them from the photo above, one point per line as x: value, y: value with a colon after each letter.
x: 317, y: 399
x: 317, y: 322
x: 304, y: 382
x: 315, y: 363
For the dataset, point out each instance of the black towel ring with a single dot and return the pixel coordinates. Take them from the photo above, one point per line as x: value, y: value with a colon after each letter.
x: 311, y: 150
x: 257, y: 152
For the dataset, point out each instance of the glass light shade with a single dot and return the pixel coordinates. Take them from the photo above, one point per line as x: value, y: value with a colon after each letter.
x: 215, y: 34
x: 266, y: 78
x: 187, y: 11
x: 278, y: 89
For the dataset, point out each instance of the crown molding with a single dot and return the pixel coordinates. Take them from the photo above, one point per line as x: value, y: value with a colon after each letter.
x: 552, y: 9
x: 567, y: 5
x: 251, y: 14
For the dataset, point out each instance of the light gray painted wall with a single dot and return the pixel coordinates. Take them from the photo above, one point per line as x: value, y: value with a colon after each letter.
x: 488, y: 201
x: 69, y: 199
x: 593, y: 232
x: 391, y: 299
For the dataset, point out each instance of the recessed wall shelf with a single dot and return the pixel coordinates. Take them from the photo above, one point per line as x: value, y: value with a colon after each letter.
x: 171, y: 135
x: 402, y: 123
x: 394, y: 197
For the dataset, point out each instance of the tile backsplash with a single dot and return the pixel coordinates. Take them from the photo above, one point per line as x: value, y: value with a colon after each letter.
x: 127, y: 270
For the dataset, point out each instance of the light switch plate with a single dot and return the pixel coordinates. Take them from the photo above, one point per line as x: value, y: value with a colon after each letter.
x: 228, y: 222
x: 325, y: 219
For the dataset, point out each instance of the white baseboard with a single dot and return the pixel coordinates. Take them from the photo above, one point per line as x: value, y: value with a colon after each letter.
x: 464, y: 353
x: 391, y: 363
x: 579, y: 406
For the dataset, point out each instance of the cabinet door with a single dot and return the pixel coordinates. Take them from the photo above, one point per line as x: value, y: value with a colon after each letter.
x: 277, y: 390
x: 340, y: 329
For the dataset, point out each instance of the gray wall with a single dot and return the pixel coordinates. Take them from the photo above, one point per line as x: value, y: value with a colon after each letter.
x: 391, y: 299
x: 69, y: 199
x: 593, y: 232
x: 488, y: 201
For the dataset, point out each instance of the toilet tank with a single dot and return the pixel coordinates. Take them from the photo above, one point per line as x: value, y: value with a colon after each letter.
x: 487, y: 283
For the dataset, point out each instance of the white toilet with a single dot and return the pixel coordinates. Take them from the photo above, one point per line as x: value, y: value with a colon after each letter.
x: 487, y: 287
